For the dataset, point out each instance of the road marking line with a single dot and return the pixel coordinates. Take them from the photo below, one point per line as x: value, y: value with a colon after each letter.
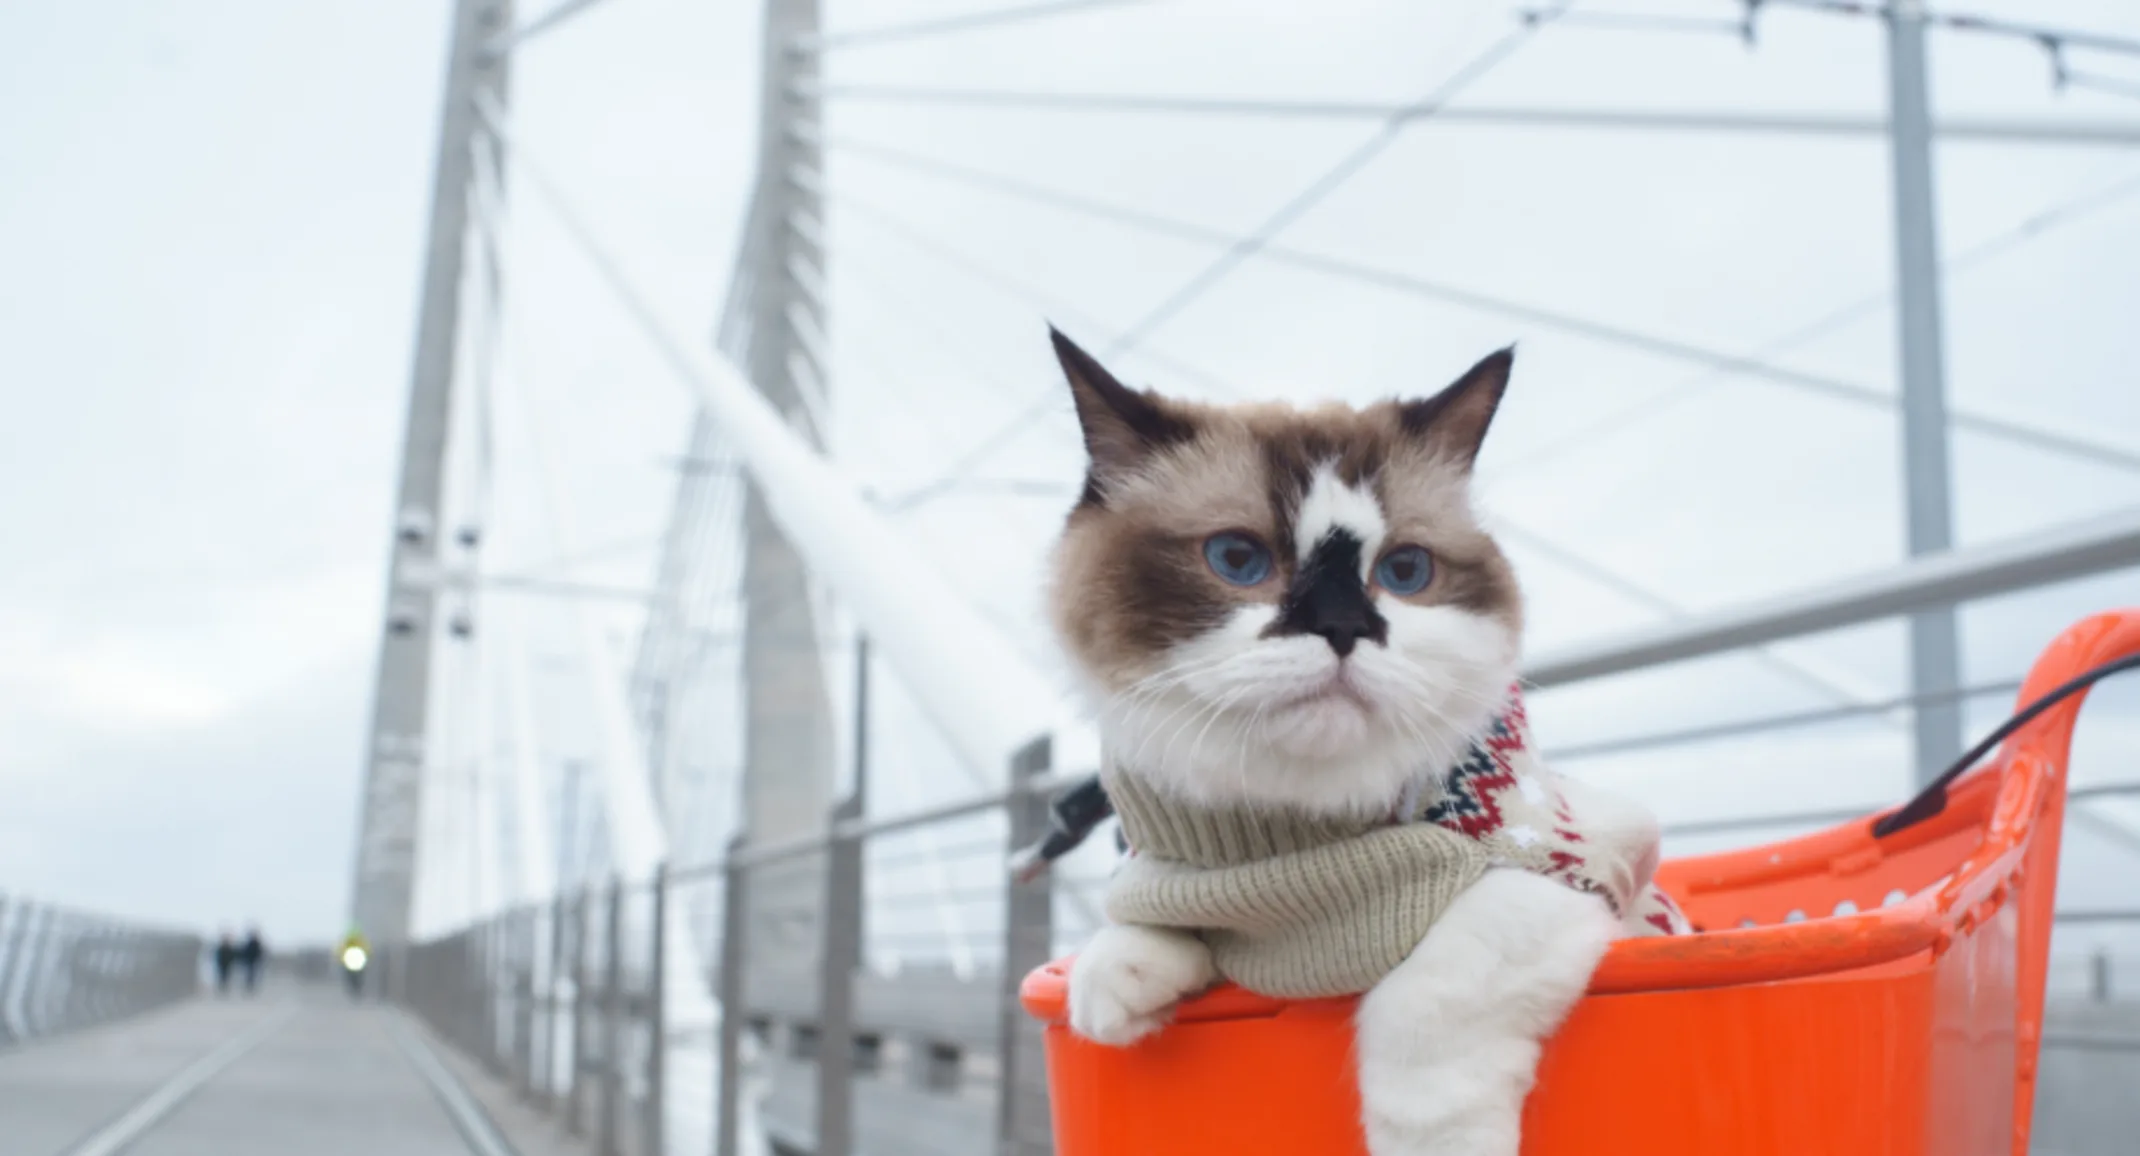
x: 469, y: 1118
x: 152, y: 1108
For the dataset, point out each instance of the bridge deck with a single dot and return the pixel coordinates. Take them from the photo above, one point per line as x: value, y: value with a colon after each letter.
x: 291, y: 1071
x: 302, y: 1071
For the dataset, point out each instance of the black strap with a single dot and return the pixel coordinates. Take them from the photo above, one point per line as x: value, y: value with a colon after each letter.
x: 1932, y: 798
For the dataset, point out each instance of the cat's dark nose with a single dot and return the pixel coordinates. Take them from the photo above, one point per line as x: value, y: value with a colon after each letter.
x: 1329, y: 598
x: 1343, y: 633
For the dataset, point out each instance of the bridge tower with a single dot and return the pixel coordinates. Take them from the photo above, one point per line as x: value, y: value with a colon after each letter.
x: 392, y: 802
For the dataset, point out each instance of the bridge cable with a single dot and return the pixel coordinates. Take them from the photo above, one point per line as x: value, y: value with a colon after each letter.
x: 2062, y: 442
x: 2022, y: 233
x: 1257, y: 242
x: 942, y: 25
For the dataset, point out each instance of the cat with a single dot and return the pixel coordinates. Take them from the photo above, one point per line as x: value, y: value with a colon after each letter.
x: 1296, y: 633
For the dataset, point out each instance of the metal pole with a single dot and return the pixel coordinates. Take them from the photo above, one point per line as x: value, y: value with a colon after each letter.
x: 36, y: 987
x: 728, y: 1089
x: 1023, y: 1126
x: 2099, y: 975
x: 490, y: 943
x: 574, y: 1118
x: 841, y: 955
x: 552, y: 1007
x: 67, y: 965
x: 14, y: 918
x: 612, y: 1022
x: 524, y: 950
x: 655, y: 1139
x: 392, y: 800
x: 1935, y: 644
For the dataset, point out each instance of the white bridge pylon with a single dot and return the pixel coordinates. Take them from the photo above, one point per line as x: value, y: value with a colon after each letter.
x: 988, y: 700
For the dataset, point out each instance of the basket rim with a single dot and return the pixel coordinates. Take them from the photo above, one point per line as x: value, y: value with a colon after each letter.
x: 2023, y: 783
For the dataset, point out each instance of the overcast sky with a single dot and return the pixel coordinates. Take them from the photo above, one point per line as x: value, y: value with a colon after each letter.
x: 211, y: 218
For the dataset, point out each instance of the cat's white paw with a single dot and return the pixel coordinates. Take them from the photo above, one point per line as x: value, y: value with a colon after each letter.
x: 1449, y: 1042
x: 1124, y: 985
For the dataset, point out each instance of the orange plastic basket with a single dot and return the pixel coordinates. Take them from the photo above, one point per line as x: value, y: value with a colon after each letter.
x: 1847, y: 995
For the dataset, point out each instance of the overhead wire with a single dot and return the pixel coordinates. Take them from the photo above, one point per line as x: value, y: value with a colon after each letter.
x: 2060, y: 441
x: 943, y: 25
x: 1320, y: 189
x: 1240, y: 247
x: 1827, y: 683
x: 556, y: 16
x: 2022, y: 233
x: 1648, y: 22
x: 1818, y: 676
x: 2058, y: 131
x: 1047, y: 304
x: 2101, y: 82
x: 2052, y: 39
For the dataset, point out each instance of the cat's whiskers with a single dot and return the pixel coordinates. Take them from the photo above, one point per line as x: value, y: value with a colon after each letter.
x: 1224, y: 705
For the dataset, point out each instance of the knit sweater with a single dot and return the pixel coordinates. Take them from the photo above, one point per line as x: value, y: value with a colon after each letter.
x: 1299, y: 905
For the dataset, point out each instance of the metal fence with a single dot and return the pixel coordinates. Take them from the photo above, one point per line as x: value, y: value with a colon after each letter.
x: 2101, y: 976
x: 833, y: 1036
x: 61, y: 969
x: 854, y: 1029
x: 564, y: 1002
x: 866, y: 976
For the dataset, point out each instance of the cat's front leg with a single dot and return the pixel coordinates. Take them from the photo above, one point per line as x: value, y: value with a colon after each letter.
x: 1449, y: 1042
x: 1124, y: 985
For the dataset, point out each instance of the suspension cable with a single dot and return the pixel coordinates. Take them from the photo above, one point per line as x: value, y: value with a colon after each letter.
x: 1240, y: 248
x: 2023, y: 232
x: 990, y: 18
x: 2064, y: 442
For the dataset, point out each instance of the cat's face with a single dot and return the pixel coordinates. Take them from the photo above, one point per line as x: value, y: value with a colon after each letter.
x: 1280, y: 606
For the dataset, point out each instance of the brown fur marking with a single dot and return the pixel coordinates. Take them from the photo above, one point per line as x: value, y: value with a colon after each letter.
x: 1130, y: 579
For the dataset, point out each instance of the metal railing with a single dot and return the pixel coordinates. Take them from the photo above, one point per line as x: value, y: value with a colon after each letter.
x: 564, y: 1002
x: 2098, y: 976
x: 863, y: 1033
x: 867, y: 975
x: 61, y: 969
x: 823, y: 1037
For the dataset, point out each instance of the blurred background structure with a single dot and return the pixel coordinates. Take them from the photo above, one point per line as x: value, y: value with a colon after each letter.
x: 707, y: 689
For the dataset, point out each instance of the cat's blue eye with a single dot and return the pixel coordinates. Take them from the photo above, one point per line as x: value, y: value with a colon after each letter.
x: 1237, y: 558
x: 1405, y: 570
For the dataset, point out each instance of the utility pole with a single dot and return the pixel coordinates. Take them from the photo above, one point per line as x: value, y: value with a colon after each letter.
x: 1935, y: 642
x: 392, y: 802
x: 788, y: 769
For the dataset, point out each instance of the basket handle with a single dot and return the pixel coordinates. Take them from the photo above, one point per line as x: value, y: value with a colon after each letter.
x: 1932, y: 799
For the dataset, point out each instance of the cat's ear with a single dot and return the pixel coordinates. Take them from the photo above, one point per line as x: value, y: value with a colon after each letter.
x: 1123, y: 426
x: 1455, y: 419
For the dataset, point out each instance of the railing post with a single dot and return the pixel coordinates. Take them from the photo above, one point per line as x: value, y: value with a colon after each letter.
x: 38, y: 986
x: 524, y: 950
x: 2099, y: 975
x: 612, y: 1022
x: 552, y: 1007
x: 575, y: 1119
x: 68, y: 974
x: 14, y: 920
x: 468, y: 1015
x: 1022, y: 1122
x: 486, y: 1022
x: 841, y: 954
x: 83, y: 972
x: 122, y: 990
x: 654, y: 1137
x: 728, y: 1064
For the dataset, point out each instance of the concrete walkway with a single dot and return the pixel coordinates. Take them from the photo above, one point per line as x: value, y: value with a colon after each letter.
x: 296, y: 1070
